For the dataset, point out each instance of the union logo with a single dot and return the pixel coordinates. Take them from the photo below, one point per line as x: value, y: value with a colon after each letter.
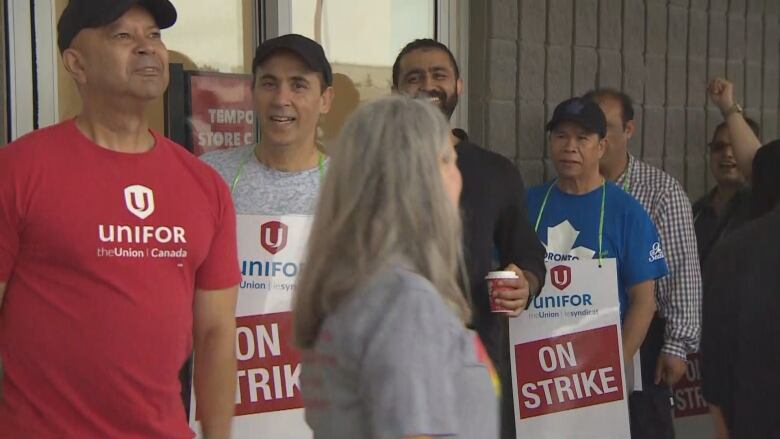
x: 139, y: 200
x: 273, y: 236
x: 560, y: 276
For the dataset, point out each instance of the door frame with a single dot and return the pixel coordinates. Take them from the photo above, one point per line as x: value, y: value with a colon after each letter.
x: 32, y: 66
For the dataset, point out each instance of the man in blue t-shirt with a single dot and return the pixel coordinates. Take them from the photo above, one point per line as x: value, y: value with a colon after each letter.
x: 581, y: 216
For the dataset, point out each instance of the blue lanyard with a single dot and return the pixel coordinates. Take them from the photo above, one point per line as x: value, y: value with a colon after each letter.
x: 601, y: 214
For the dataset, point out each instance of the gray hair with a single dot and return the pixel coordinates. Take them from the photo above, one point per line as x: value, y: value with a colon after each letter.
x: 382, y: 200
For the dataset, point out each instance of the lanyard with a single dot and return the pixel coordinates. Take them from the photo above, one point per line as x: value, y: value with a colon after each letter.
x: 248, y: 155
x: 601, y: 214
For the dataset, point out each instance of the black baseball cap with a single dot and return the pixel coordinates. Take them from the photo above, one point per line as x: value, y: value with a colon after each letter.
x: 84, y: 14
x: 309, y: 50
x: 584, y: 112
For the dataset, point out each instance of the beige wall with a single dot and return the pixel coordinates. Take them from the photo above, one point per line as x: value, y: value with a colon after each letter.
x: 528, y: 56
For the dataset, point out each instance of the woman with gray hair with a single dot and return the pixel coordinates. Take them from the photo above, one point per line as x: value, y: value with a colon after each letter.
x: 379, y: 313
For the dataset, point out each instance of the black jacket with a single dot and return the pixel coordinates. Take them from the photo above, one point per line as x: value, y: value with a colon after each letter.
x: 496, y: 233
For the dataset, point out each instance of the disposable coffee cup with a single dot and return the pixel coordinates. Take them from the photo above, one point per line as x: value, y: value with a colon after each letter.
x: 492, y: 279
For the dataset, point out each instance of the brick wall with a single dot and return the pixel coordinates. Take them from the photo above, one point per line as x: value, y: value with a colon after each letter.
x: 528, y: 55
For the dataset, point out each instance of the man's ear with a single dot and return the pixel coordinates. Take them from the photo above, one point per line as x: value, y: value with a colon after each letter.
x: 604, y: 143
x: 630, y: 128
x: 74, y: 65
x: 602, y: 147
x: 459, y: 86
x: 326, y: 99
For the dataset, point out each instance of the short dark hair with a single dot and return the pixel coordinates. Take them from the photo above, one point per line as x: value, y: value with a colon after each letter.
x: 626, y: 103
x: 422, y: 43
x: 754, y: 126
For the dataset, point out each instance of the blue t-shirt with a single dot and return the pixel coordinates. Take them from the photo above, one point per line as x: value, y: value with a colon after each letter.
x: 569, y: 230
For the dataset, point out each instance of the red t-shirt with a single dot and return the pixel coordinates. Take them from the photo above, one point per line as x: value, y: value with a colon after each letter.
x: 101, y: 252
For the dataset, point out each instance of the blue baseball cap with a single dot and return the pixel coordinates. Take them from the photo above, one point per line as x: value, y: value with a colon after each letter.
x: 583, y: 112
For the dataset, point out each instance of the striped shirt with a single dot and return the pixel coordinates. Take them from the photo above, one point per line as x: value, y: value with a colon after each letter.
x: 679, y: 294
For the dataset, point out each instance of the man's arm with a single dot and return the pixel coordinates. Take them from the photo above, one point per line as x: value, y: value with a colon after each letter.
x: 519, y: 248
x: 214, y: 329
x: 679, y: 294
x: 743, y: 140
x: 638, y: 316
x: 534, y: 285
x: 517, y: 298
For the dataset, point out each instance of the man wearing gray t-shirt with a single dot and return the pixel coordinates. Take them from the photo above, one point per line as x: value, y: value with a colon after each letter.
x: 281, y: 175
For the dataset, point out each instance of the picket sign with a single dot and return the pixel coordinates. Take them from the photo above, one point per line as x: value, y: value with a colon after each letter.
x: 268, y: 397
x: 566, y: 355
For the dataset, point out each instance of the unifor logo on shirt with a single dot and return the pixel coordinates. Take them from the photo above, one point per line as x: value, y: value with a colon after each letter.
x: 273, y: 236
x: 656, y: 252
x: 125, y: 240
x: 560, y: 244
x: 139, y: 200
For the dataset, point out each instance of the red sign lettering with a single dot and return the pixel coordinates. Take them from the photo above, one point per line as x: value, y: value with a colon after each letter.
x: 568, y: 372
x: 268, y: 365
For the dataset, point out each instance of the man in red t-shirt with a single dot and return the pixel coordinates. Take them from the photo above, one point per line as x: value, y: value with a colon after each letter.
x: 117, y: 252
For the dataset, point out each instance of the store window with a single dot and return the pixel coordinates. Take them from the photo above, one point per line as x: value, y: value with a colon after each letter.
x: 361, y: 41
x: 360, y: 38
x: 213, y: 36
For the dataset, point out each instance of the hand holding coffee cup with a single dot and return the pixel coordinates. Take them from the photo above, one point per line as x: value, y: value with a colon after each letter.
x: 508, y: 290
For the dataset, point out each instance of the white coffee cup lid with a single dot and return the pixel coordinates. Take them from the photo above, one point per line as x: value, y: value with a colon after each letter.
x: 501, y: 275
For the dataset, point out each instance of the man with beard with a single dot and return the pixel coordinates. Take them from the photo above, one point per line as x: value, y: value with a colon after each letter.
x: 493, y: 205
x: 109, y: 278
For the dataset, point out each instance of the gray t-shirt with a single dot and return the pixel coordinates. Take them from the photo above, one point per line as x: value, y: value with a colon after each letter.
x: 394, y: 361
x: 263, y: 190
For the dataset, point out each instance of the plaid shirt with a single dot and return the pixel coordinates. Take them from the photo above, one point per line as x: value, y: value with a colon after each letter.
x: 679, y: 294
